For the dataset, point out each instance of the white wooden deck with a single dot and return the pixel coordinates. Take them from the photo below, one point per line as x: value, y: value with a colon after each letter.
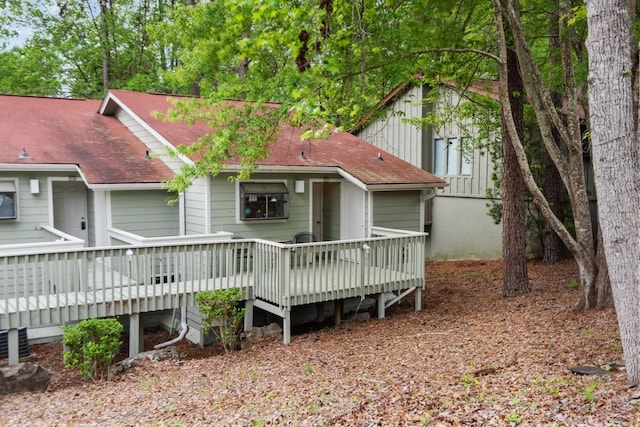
x: 54, y: 288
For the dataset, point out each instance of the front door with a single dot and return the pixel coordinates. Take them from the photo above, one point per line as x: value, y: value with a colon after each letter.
x: 70, y: 208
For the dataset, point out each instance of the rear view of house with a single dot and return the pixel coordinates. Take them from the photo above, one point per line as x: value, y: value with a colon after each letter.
x: 86, y: 179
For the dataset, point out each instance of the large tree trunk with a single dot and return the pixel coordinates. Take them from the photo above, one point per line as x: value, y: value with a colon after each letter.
x: 569, y: 162
x: 514, y: 233
x: 552, y: 183
x: 616, y: 164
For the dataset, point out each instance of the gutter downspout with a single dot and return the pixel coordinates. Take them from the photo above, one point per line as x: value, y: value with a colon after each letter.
x: 183, y: 331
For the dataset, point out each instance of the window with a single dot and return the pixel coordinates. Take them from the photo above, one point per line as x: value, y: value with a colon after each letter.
x: 448, y: 157
x: 263, y: 201
x: 8, y: 208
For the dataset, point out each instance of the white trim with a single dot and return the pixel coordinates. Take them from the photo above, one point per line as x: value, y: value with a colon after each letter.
x: 145, y: 125
x: 182, y: 217
x: 38, y: 167
x: 101, y: 218
x: 135, y: 239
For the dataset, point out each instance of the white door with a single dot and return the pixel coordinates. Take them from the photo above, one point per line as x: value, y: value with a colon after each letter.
x: 352, y: 212
x: 70, y: 208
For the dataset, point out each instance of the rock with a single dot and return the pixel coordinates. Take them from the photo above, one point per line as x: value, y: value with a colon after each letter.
x: 256, y: 334
x: 23, y: 377
x: 167, y: 353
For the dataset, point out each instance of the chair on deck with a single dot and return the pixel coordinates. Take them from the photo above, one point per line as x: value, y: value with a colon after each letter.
x: 304, y: 237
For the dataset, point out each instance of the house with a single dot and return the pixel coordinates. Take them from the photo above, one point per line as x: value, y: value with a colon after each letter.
x: 456, y: 218
x: 90, y: 174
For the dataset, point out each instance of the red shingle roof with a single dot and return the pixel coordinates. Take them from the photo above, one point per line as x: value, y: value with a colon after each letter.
x: 56, y: 131
x: 342, y: 150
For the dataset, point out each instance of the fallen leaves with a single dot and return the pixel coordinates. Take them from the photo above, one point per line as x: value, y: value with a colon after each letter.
x: 469, y: 358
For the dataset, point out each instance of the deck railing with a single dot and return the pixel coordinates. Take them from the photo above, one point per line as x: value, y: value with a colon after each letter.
x: 294, y: 274
x: 50, y: 288
x: 66, y: 286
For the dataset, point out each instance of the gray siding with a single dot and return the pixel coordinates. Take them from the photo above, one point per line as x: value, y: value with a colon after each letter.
x: 224, y: 208
x: 33, y: 210
x: 195, y: 208
x: 144, y: 212
x: 397, y: 209
x: 392, y: 134
x: 91, y: 219
x: 155, y: 146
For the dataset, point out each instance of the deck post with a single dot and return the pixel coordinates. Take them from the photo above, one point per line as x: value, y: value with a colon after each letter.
x: 337, y: 312
x: 381, y: 303
x: 136, y: 334
x: 418, y: 298
x: 14, y: 346
x: 286, y: 326
x: 248, y: 314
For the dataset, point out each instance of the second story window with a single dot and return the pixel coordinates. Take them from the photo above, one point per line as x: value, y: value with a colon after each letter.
x: 449, y: 159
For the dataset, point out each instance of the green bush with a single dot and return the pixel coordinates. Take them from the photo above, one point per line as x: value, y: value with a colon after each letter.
x: 91, y: 346
x: 221, y: 314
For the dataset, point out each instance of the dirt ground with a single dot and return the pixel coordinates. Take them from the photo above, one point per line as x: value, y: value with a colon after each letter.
x: 468, y: 358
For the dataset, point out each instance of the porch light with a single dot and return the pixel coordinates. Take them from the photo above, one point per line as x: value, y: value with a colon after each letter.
x: 299, y: 186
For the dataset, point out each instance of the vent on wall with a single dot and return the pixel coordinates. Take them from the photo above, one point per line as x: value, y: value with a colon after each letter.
x: 23, y: 343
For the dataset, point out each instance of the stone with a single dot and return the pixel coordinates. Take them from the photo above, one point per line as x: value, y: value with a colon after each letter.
x: 23, y: 377
x: 256, y: 334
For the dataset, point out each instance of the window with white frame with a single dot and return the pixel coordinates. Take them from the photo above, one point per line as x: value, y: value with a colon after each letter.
x: 449, y: 157
x: 8, y: 200
x: 263, y: 201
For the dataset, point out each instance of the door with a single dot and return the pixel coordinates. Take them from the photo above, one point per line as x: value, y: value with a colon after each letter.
x: 317, y: 209
x: 352, y: 212
x: 70, y: 208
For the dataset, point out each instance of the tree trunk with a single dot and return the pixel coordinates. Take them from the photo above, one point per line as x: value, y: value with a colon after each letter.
x: 514, y: 233
x: 604, y: 296
x: 552, y: 184
x: 616, y: 164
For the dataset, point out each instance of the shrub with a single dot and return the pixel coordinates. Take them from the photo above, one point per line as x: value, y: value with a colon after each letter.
x: 91, y: 346
x: 221, y: 314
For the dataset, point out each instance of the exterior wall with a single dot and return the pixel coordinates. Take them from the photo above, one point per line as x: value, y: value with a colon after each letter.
x: 224, y: 208
x: 457, y: 217
x: 149, y: 140
x: 479, y: 180
x: 392, y: 134
x: 144, y: 212
x: 388, y: 204
x: 462, y: 229
x: 91, y: 222
x: 33, y: 209
x: 195, y: 208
